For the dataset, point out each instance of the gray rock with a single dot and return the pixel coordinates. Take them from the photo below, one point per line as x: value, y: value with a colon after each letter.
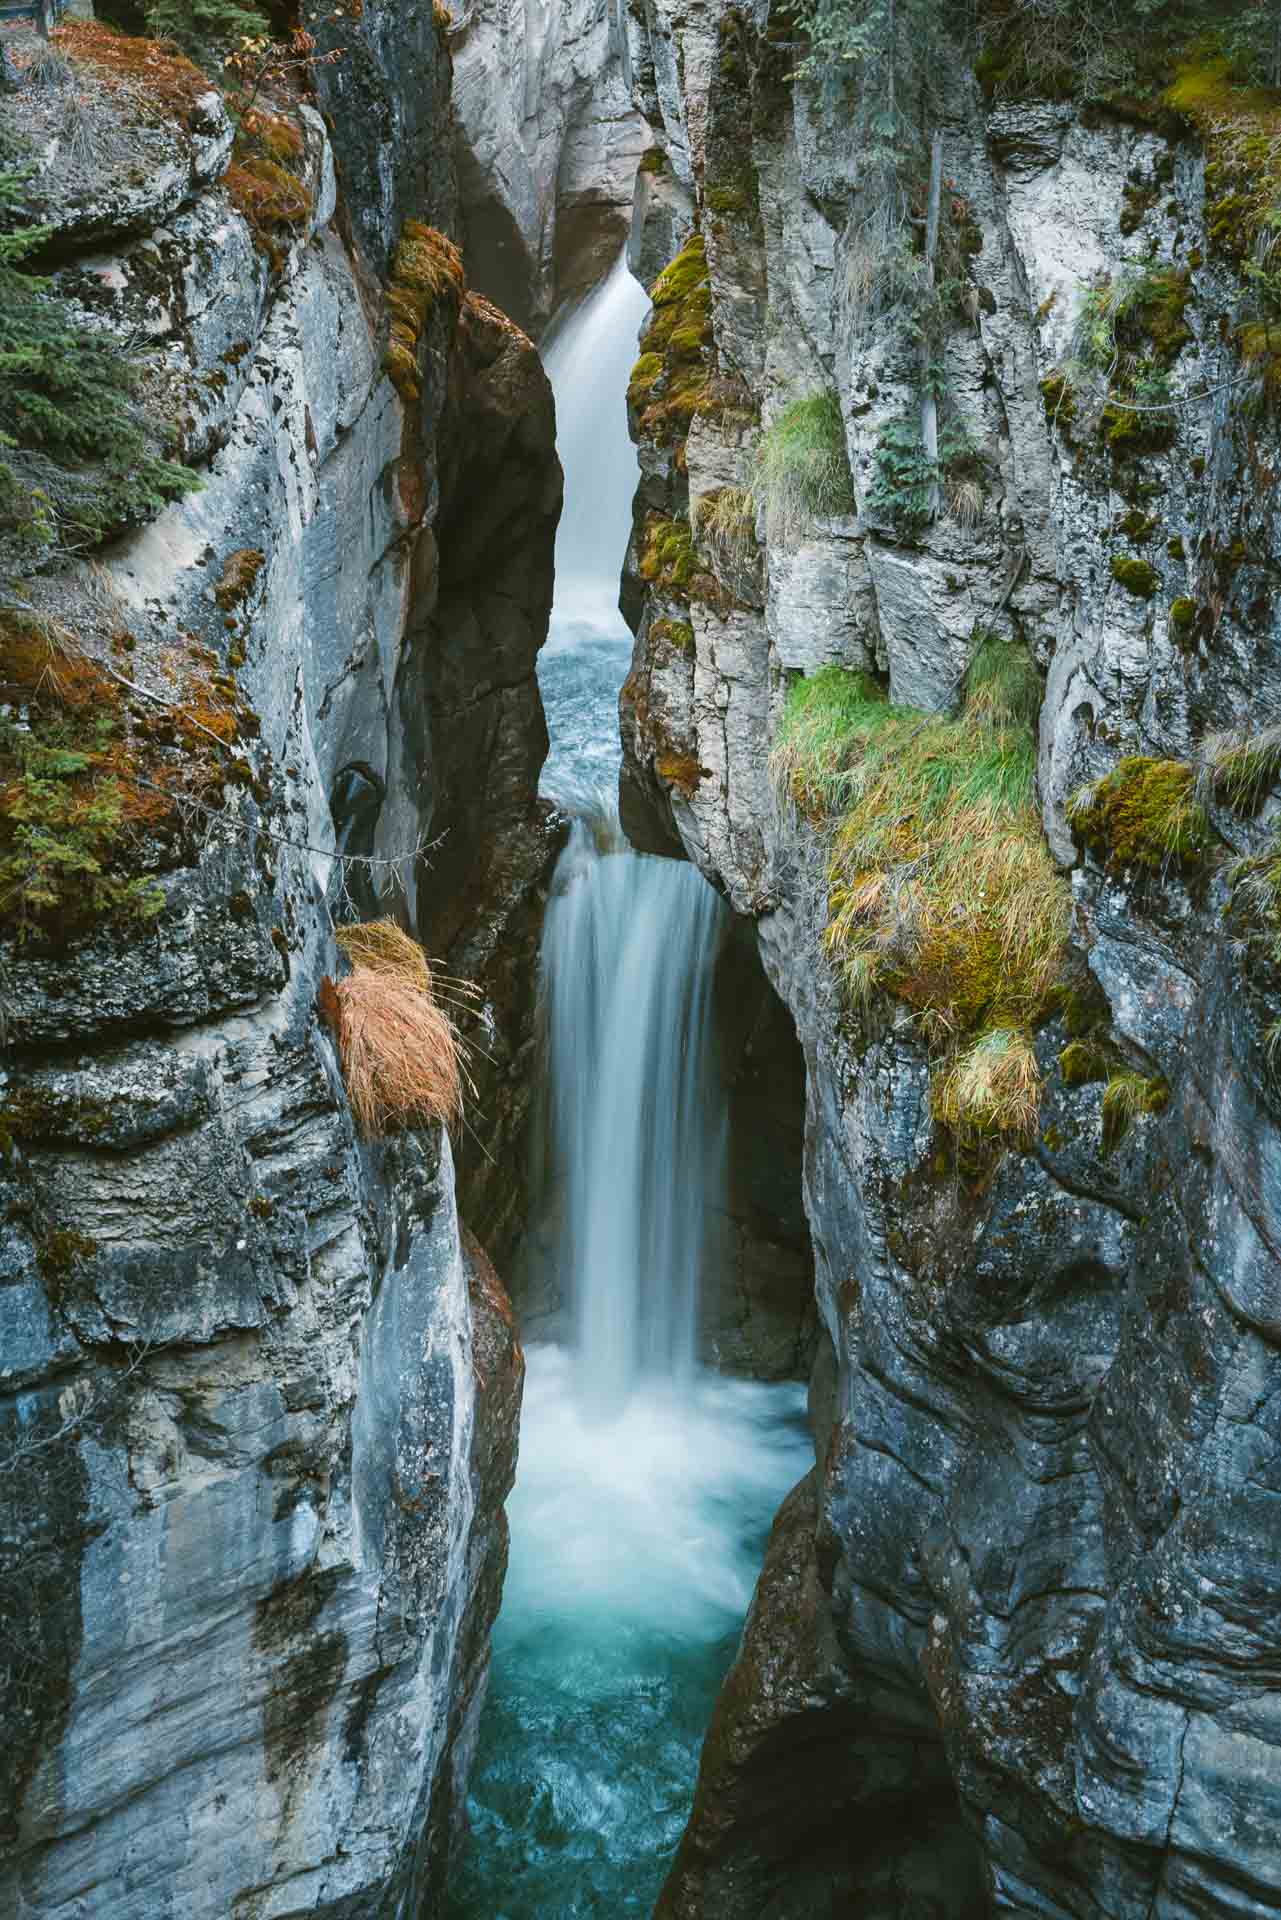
x: 260, y: 1405
x: 1026, y: 1617
x: 548, y: 143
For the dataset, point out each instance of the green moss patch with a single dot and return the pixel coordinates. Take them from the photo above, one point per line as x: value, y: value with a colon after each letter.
x: 670, y: 379
x: 1136, y: 576
x: 671, y: 636
x: 426, y: 271
x: 1084, y: 1060
x: 1143, y: 814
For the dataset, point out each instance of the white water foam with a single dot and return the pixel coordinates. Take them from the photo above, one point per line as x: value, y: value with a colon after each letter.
x: 645, y: 1484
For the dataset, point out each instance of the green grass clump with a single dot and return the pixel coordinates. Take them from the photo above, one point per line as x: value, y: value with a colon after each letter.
x: 942, y: 890
x: 1182, y: 613
x: 1126, y: 1096
x: 1144, y: 813
x: 803, y: 468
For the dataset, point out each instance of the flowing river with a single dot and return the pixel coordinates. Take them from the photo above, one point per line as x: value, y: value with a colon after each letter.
x: 646, y: 1484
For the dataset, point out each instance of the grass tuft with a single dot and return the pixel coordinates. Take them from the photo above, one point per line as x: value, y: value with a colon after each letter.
x: 401, y: 1055
x: 992, y: 1087
x: 725, y: 522
x: 1126, y: 1096
x: 1244, y: 768
x: 803, y: 467
x: 942, y: 890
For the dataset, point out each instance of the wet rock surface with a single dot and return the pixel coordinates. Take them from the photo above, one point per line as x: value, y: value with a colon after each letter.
x: 1033, y: 1611
x: 258, y: 1391
x: 549, y: 136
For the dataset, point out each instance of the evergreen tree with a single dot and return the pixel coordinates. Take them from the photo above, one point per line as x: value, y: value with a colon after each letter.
x: 76, y: 457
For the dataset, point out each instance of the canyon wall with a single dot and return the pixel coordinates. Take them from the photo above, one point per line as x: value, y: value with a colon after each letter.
x: 1012, y: 1650
x: 549, y: 137
x: 259, y: 1387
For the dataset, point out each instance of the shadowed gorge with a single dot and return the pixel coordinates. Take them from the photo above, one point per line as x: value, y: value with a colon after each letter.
x: 640, y: 960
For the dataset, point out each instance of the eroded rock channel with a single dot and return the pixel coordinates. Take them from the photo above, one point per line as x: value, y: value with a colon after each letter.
x: 864, y: 954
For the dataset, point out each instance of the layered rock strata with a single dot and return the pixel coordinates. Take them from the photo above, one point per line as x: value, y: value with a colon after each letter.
x: 1028, y: 1625
x: 260, y: 1391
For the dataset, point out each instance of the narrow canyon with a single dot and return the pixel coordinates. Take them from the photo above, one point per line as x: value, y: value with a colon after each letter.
x: 640, y: 960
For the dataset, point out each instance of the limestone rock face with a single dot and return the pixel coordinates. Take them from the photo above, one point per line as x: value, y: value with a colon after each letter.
x: 1028, y: 1618
x: 549, y: 137
x: 260, y: 1389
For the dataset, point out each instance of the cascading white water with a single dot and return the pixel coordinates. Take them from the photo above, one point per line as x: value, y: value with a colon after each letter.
x: 637, y: 1114
x: 588, y: 647
x: 589, y: 358
x: 645, y: 1483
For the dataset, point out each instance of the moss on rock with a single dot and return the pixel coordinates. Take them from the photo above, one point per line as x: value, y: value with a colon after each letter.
x: 669, y: 381
x: 1136, y: 576
x: 1143, y: 814
x: 427, y: 271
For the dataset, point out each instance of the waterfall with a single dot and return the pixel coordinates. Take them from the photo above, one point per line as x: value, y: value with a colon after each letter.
x: 637, y: 1113
x: 645, y: 1484
x: 636, y: 1117
x: 589, y: 358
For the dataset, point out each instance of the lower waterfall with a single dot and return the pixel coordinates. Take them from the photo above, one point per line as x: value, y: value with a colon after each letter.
x: 646, y: 1484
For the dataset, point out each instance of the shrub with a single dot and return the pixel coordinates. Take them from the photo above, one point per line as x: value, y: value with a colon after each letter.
x: 907, y: 483
x: 400, y: 1053
x: 803, y: 467
x: 941, y: 888
x: 78, y: 458
x: 1144, y: 813
x: 199, y: 25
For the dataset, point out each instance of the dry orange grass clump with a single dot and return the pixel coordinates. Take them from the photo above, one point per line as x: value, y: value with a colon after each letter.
x: 148, y: 69
x: 401, y: 1056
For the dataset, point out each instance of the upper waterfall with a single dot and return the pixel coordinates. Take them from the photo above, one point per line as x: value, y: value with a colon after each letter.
x: 588, y: 358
